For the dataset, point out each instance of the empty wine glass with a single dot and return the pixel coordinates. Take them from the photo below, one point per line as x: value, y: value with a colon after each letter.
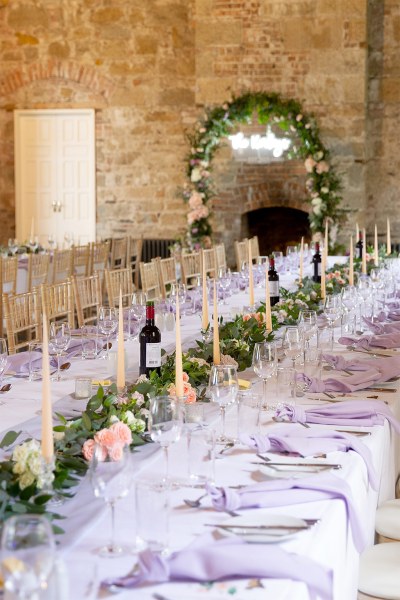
x: 264, y: 365
x: 107, y: 322
x: 13, y: 245
x: 165, y: 424
x: 3, y: 358
x: 224, y: 282
x: 111, y: 478
x: 51, y: 239
x: 59, y: 339
x: 293, y: 343
x: 177, y: 290
x: 196, y: 292
x: 27, y: 555
x: 308, y: 324
x: 136, y: 314
x: 223, y: 388
x: 69, y: 239
x: 332, y: 308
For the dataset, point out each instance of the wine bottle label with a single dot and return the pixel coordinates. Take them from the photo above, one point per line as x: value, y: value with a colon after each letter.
x: 319, y: 269
x: 153, y: 355
x: 274, y: 288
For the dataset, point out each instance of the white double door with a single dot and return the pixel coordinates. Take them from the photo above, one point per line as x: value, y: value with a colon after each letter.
x: 55, y: 175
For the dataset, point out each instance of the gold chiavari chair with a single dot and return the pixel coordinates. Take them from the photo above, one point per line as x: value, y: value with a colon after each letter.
x: 150, y: 280
x: 116, y: 280
x: 241, y: 253
x: 9, y: 274
x: 62, y: 265
x: 58, y: 302
x: 88, y: 298
x: 255, y: 247
x: 134, y: 256
x: 166, y: 274
x: 23, y: 320
x: 220, y: 256
x: 99, y: 255
x: 191, y: 267
x: 38, y: 270
x: 209, y: 260
x: 81, y: 260
x: 119, y: 253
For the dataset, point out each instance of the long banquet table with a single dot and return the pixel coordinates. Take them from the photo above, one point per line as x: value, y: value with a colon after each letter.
x: 87, y: 525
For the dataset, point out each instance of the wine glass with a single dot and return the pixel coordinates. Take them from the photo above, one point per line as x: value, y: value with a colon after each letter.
x: 59, y: 339
x: 165, y: 424
x: 27, y: 555
x: 107, y: 321
x: 13, y: 245
x: 264, y: 364
x: 177, y: 289
x: 69, y: 239
x: 196, y: 292
x: 224, y: 282
x: 3, y: 358
x: 332, y: 308
x: 136, y: 314
x: 223, y: 388
x: 52, y: 241
x: 308, y: 324
x: 111, y: 478
x: 293, y: 343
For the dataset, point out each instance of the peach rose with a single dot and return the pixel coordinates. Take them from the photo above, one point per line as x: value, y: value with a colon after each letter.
x: 322, y: 167
x: 88, y: 449
x: 105, y: 437
x: 122, y: 433
x: 185, y: 376
x: 116, y: 452
x: 190, y: 393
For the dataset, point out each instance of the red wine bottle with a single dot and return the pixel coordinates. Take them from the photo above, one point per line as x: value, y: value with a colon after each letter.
x: 150, y: 344
x: 273, y: 279
x: 316, y: 260
x: 359, y: 247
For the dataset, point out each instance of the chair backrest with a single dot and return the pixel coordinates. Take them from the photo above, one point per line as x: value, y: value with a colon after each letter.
x: 58, y: 302
x: 191, y: 267
x: 23, y: 320
x: 150, y: 280
x: 220, y: 256
x: 62, y: 265
x: 81, y: 260
x: 88, y: 298
x: 116, y: 280
x: 119, y: 252
x: 99, y: 255
x: 38, y: 270
x: 241, y: 253
x: 209, y: 261
x: 166, y: 274
x: 134, y: 256
x: 255, y: 247
x: 9, y: 274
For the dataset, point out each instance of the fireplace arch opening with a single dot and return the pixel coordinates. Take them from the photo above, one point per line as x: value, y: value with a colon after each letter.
x: 277, y: 227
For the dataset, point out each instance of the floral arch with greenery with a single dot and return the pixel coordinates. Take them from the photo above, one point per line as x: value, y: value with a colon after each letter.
x: 323, y: 184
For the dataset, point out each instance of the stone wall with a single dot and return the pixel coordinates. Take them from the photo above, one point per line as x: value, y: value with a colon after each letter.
x: 149, y: 67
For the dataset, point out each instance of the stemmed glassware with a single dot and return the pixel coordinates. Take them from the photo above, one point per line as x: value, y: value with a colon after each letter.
x: 165, y: 424
x: 223, y: 388
x: 308, y: 325
x: 27, y: 555
x: 111, y: 478
x: 13, y: 245
x: 52, y: 242
x: 293, y: 343
x: 224, y: 282
x: 136, y: 314
x: 59, y: 339
x: 265, y: 364
x: 3, y: 358
x: 180, y: 290
x: 107, y: 321
x: 332, y: 308
x: 196, y: 292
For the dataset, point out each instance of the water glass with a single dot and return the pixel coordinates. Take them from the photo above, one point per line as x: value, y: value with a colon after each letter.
x: 165, y: 424
x: 152, y: 510
x: 249, y: 412
x: 91, y: 343
x: 308, y: 324
x: 35, y: 361
x: 223, y: 388
x: 293, y: 343
x: 201, y: 464
x: 264, y: 365
x: 59, y: 339
x: 325, y: 339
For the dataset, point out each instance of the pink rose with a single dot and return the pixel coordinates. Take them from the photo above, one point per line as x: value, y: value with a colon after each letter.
x: 185, y: 377
x: 190, y: 393
x: 122, y: 433
x: 116, y: 452
x: 322, y: 167
x: 88, y: 449
x: 309, y: 164
x: 105, y: 437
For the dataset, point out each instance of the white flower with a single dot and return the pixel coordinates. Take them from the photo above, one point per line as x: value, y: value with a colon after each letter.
x: 139, y: 398
x: 141, y: 379
x: 26, y: 480
x: 317, y: 210
x: 228, y: 361
x: 319, y: 155
x: 35, y: 465
x: 144, y: 412
x: 128, y: 417
x: 316, y: 201
x: 324, y: 189
x: 195, y: 175
x: 113, y: 419
x: 299, y: 117
x: 59, y: 435
x: 199, y: 361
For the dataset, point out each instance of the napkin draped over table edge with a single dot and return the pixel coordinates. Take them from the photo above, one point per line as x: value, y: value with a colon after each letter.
x: 207, y: 559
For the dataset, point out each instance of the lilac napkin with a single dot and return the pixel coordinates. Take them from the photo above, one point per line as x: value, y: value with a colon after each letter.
x: 379, y: 328
x: 358, y: 381
x: 310, y: 442
x: 394, y: 315
x: 388, y: 367
x: 386, y: 340
x: 365, y: 413
x: 283, y: 492
x: 207, y: 559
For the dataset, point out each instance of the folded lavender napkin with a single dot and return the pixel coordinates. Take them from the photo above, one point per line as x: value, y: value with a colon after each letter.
x: 388, y: 367
x: 394, y: 315
x: 358, y: 381
x: 308, y: 442
x: 386, y: 340
x: 208, y: 559
x: 379, y: 328
x: 364, y: 413
x: 284, y: 492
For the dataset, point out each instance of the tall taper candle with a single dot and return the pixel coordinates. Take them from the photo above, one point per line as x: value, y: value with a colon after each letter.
x: 301, y: 260
x: 178, y: 353
x: 351, y: 261
x: 205, y: 319
x: 323, y: 275
x: 376, y: 254
x: 216, y: 351
x: 326, y: 241
x: 388, y: 239
x: 121, y: 346
x: 47, y: 420
x: 268, y: 318
x: 364, y: 256
x: 251, y: 277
